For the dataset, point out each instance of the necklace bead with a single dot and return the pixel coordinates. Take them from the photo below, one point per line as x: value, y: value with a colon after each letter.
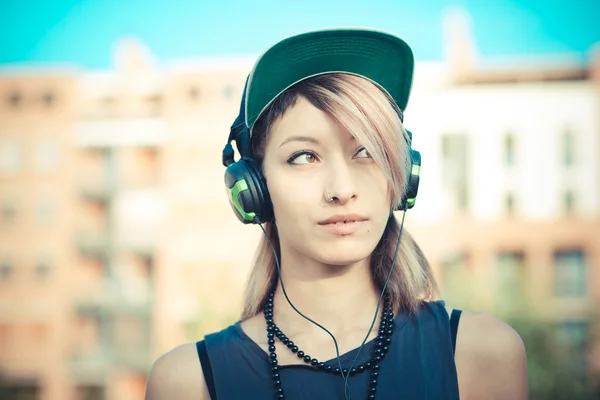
x: 382, y: 343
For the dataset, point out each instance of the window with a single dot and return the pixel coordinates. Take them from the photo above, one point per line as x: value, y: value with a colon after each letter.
x: 574, y: 335
x: 193, y: 93
x: 455, y: 170
x: 509, y: 149
x: 509, y: 204
x: 569, y: 274
x: 569, y: 202
x: 152, y: 104
x: 8, y: 212
x: 46, y: 155
x: 10, y: 156
x: 148, y: 262
x: 20, y: 390
x: 511, y: 274
x: 568, y: 148
x: 108, y: 103
x: 49, y: 98
x: 6, y: 270
x: 42, y: 270
x: 90, y: 393
x: 14, y: 99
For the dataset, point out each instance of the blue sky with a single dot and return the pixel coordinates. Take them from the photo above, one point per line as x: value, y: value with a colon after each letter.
x: 84, y: 32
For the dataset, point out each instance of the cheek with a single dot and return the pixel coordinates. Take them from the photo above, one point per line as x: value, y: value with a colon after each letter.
x: 291, y: 198
x: 377, y: 188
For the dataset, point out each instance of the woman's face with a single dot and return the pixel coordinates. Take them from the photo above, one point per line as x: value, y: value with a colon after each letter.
x: 309, y: 157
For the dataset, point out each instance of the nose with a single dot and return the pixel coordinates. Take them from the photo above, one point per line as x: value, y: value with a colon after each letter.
x: 340, y: 184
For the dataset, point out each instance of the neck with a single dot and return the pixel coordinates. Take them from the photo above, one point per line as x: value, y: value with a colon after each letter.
x: 342, y: 298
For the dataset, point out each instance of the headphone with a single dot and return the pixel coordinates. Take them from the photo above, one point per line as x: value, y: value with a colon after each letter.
x: 247, y: 187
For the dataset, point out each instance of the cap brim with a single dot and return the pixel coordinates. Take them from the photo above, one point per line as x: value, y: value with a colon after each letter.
x: 379, y: 56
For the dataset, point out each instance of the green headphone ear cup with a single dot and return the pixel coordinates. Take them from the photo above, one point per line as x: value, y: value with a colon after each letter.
x: 248, y: 193
x: 409, y: 198
x: 262, y: 198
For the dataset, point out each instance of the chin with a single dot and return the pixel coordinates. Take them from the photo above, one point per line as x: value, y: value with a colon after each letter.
x: 344, y: 253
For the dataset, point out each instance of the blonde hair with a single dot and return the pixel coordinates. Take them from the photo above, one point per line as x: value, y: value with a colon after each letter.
x: 373, y: 118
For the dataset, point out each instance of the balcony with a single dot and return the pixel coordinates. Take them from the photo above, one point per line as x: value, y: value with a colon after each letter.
x: 105, y: 307
x: 149, y: 132
x: 93, y: 245
x: 114, y: 323
x: 100, y: 191
x: 114, y: 299
x: 92, y: 366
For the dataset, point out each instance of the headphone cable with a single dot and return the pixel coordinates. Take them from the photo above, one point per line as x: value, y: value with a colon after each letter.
x: 387, y: 280
x: 337, y: 351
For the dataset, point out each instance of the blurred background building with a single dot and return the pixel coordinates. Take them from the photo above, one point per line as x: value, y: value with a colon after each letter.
x: 117, y: 242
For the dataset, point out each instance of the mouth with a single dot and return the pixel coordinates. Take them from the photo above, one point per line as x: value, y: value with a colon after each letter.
x: 343, y: 219
x: 343, y: 224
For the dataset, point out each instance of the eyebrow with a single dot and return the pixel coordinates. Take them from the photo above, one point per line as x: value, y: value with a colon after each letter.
x: 308, y: 139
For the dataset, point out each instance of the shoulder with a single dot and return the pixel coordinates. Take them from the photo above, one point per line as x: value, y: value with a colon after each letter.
x: 254, y: 327
x: 490, y: 358
x: 177, y: 375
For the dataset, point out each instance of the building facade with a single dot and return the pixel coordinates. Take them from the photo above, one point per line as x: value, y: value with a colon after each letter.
x: 117, y: 242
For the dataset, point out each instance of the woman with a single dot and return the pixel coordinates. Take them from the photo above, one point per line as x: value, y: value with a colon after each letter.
x: 325, y: 163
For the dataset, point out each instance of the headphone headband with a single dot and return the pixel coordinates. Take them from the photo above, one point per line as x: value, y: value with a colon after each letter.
x: 247, y: 188
x: 240, y: 131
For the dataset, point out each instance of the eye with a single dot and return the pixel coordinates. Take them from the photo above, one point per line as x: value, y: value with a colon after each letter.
x: 362, y: 153
x: 302, y: 157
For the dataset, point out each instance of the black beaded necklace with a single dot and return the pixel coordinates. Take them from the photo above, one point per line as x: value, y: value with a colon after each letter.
x: 383, y: 341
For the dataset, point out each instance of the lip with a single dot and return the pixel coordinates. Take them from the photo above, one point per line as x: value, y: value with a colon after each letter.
x: 344, y: 228
x: 343, y: 218
x: 343, y: 224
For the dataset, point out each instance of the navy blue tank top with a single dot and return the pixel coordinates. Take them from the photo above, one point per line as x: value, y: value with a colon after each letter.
x: 419, y: 364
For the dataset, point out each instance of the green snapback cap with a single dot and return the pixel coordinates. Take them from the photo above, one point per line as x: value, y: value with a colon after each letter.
x: 382, y: 57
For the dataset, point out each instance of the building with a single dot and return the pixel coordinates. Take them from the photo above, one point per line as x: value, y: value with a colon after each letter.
x: 116, y: 239
x: 511, y: 174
